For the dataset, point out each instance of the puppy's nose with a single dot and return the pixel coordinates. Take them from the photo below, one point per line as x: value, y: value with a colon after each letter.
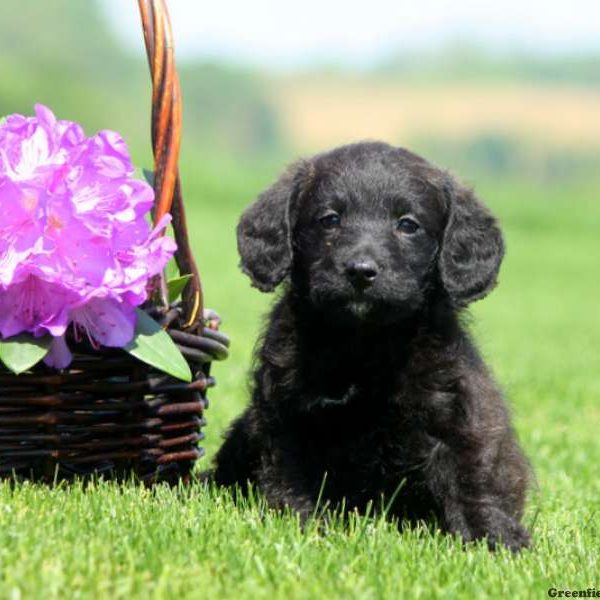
x: 361, y: 273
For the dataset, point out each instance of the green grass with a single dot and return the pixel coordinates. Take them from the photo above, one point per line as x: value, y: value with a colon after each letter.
x: 540, y: 330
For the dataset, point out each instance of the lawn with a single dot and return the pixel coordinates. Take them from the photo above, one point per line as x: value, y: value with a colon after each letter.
x: 540, y: 330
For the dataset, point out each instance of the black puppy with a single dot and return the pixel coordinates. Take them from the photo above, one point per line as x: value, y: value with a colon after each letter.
x: 364, y: 372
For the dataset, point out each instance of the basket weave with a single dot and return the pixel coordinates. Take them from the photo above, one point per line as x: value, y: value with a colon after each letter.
x: 108, y: 412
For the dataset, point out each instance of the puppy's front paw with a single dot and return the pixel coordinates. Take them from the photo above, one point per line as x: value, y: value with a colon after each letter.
x: 498, y: 529
x: 515, y: 537
x: 501, y: 530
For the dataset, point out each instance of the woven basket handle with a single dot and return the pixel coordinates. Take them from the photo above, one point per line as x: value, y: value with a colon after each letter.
x: 166, y: 138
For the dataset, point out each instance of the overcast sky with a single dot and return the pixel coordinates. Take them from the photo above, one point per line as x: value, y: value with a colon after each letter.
x: 288, y: 33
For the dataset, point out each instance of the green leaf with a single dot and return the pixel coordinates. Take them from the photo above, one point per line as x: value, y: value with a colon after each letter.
x: 149, y: 176
x: 22, y: 351
x: 172, y: 270
x: 175, y: 286
x: 152, y: 345
x: 141, y: 173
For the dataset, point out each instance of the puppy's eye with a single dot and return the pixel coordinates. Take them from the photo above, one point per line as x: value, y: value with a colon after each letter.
x: 407, y: 225
x: 330, y: 220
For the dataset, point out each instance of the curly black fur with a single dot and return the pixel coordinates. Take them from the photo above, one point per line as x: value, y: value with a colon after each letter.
x: 364, y: 372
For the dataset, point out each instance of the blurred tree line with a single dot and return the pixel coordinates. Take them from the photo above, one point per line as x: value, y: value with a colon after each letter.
x: 61, y: 53
x: 466, y: 61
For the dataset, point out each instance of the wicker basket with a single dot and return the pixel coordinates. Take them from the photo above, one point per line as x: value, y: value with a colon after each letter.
x: 109, y: 413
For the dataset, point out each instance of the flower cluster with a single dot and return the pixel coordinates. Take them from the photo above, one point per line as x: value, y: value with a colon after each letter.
x: 75, y: 244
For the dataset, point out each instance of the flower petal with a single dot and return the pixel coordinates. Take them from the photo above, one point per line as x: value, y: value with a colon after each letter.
x: 107, y: 321
x: 59, y: 356
x: 36, y: 306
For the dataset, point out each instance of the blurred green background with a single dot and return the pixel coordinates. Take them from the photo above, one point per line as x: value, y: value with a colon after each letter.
x: 522, y: 127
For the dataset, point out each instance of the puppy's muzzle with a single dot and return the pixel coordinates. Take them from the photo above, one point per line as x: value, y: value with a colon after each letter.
x: 361, y: 273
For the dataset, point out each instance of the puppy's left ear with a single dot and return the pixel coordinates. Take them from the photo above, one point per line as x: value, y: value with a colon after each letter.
x: 472, y: 247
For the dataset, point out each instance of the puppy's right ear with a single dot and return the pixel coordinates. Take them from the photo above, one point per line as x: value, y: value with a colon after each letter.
x: 264, y: 233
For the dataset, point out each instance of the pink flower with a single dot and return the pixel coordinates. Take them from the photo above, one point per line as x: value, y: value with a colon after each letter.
x: 76, y: 248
